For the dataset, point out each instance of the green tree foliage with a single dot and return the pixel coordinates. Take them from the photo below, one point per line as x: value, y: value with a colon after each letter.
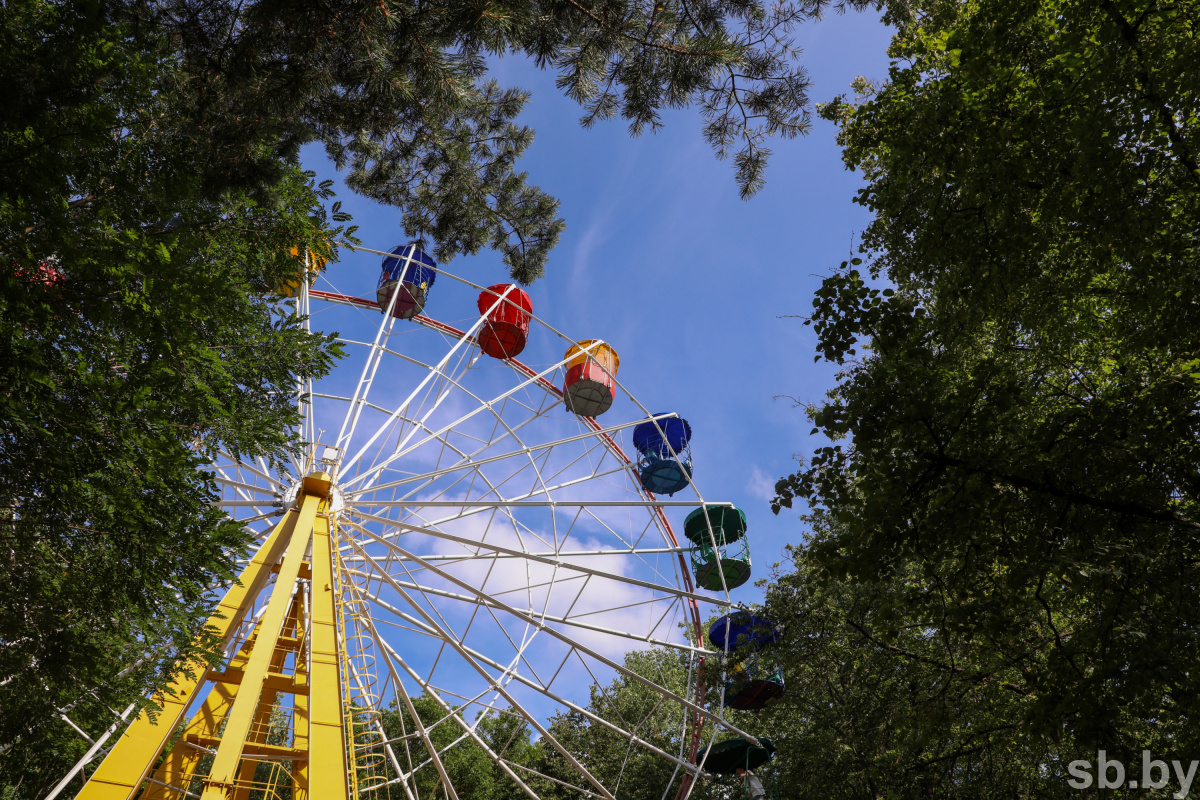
x: 878, y: 707
x: 627, y: 769
x: 136, y: 336
x: 1012, y: 474
x: 398, y: 93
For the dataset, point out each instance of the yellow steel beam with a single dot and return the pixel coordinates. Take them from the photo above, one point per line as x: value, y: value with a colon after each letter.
x: 327, y: 763
x: 300, y: 719
x: 135, y: 752
x: 263, y: 729
x: 252, y: 748
x: 222, y: 775
x: 305, y: 571
x: 274, y: 682
x: 248, y: 766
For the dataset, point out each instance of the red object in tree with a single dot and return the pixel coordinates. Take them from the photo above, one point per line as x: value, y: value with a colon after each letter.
x: 46, y: 275
x: 506, y: 329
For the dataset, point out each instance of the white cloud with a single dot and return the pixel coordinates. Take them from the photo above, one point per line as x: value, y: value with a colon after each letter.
x: 760, y: 484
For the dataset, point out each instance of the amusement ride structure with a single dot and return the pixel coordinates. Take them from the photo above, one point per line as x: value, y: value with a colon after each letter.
x: 463, y: 533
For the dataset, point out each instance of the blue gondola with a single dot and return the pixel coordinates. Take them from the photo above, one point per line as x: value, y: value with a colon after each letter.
x: 752, y: 679
x: 664, y: 453
x: 408, y: 275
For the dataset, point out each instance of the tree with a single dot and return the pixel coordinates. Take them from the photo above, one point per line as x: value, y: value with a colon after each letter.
x: 875, y: 706
x: 398, y: 93
x: 629, y: 770
x: 137, y: 335
x: 1015, y: 429
x: 472, y: 771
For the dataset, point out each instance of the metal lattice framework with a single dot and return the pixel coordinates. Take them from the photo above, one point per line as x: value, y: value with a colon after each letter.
x: 456, y: 539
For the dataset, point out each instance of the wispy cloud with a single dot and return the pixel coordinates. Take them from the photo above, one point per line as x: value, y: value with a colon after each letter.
x: 760, y: 484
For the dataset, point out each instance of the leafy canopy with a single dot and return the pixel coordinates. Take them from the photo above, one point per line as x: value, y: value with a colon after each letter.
x: 136, y: 337
x: 398, y: 93
x: 1014, y: 437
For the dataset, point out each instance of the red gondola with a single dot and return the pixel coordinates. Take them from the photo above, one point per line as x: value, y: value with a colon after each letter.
x: 506, y: 330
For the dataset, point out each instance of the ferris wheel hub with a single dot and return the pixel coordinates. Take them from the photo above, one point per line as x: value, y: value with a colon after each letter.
x: 316, y: 483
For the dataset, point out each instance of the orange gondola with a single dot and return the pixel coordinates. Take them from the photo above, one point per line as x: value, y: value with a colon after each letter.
x: 591, y: 377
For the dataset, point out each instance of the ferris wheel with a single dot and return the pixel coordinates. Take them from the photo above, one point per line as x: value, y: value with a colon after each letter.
x: 470, y: 541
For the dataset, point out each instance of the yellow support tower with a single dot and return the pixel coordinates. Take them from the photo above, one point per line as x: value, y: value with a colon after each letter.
x: 272, y: 719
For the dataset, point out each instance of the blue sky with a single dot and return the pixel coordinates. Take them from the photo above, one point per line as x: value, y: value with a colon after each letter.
x: 689, y: 283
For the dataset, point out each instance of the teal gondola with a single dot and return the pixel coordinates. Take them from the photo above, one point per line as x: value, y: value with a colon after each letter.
x: 725, y: 757
x: 664, y: 453
x: 720, y: 554
x: 738, y: 757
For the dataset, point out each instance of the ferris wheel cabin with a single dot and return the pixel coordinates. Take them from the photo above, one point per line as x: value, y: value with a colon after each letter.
x: 408, y: 275
x: 752, y: 678
x: 720, y: 552
x: 591, y: 377
x: 664, y: 453
x: 725, y: 757
x: 508, y: 311
x: 315, y: 266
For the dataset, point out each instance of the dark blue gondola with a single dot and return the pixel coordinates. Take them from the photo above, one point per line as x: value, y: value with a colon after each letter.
x: 752, y: 679
x: 408, y: 275
x: 664, y: 454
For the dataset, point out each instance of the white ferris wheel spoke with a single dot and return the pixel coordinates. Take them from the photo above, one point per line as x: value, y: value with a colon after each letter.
x: 303, y: 386
x: 241, y: 465
x: 532, y: 720
x: 445, y: 443
x: 369, y: 624
x: 374, y: 357
x: 521, y: 554
x: 224, y: 481
x: 444, y: 386
x: 548, y: 553
x: 437, y: 371
x: 362, y: 389
x: 544, y: 689
x: 556, y: 634
x: 574, y: 621
x: 470, y: 462
x: 480, y: 504
x: 484, y: 406
x: 468, y: 509
x: 395, y: 658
